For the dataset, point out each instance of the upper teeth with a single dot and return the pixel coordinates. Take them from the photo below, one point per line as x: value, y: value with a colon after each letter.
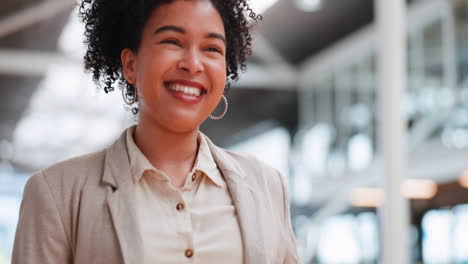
x: 185, y: 89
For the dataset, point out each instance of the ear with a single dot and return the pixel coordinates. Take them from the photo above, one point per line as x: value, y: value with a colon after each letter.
x: 128, y: 60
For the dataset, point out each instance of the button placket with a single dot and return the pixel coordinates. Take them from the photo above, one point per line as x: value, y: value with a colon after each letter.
x: 183, y: 224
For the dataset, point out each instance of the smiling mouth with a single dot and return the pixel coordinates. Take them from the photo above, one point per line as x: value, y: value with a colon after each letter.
x: 185, y: 89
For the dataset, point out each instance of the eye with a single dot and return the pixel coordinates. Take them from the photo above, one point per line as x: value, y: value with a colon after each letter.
x: 214, y: 49
x: 171, y: 41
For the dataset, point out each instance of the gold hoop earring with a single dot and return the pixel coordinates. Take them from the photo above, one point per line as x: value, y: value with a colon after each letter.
x: 129, y: 93
x: 224, y: 112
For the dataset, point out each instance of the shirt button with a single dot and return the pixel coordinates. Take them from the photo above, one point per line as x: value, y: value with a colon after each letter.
x: 194, y: 176
x: 180, y: 207
x: 189, y: 253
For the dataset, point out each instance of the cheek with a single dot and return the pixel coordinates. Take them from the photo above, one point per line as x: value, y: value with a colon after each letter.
x: 148, y: 76
x: 219, y: 75
x: 154, y: 62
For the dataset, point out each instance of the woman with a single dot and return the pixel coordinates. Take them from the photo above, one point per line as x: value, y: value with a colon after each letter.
x: 163, y: 192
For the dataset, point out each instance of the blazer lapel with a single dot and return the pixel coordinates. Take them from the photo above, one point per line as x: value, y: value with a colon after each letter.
x: 126, y: 228
x: 247, y: 205
x: 120, y: 201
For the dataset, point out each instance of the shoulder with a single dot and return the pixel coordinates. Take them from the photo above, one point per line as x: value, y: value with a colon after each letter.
x: 51, y: 200
x: 252, y: 169
x: 267, y: 182
x: 257, y: 172
x: 263, y: 178
x: 70, y: 174
x: 250, y: 164
x: 76, y: 167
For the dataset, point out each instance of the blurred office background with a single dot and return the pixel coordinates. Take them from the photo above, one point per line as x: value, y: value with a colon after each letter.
x: 308, y: 105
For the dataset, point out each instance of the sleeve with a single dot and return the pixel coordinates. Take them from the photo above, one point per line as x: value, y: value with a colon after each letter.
x: 40, y: 234
x: 292, y: 256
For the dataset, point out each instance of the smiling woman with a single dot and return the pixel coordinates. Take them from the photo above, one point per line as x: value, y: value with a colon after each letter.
x: 163, y: 192
x: 179, y: 68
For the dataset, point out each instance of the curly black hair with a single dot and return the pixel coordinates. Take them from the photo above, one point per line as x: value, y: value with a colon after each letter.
x: 111, y: 26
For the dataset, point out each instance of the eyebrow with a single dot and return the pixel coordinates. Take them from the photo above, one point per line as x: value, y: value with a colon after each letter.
x: 183, y: 31
x: 170, y: 28
x: 216, y: 36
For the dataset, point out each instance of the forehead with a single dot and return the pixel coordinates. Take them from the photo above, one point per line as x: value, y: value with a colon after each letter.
x: 192, y: 15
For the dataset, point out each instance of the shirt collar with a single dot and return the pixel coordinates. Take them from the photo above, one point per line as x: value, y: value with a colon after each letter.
x: 138, y: 162
x: 204, y: 161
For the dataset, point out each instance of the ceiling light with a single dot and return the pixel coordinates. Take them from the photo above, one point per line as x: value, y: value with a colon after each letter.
x: 308, y: 5
x: 419, y: 189
x: 463, y: 181
x: 260, y: 6
x: 367, y: 197
x: 411, y: 189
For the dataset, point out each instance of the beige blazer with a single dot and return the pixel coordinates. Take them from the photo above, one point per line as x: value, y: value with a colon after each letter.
x: 80, y: 211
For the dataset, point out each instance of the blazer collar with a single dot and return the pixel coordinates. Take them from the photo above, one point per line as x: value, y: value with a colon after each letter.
x: 223, y: 160
x: 121, y: 198
x: 117, y: 165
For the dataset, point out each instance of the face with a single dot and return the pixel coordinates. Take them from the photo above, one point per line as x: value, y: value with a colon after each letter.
x: 179, y: 69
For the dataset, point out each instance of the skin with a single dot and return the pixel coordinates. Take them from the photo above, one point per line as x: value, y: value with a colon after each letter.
x: 190, y: 49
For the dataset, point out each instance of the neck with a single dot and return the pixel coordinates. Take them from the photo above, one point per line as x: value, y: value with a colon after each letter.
x: 169, y: 151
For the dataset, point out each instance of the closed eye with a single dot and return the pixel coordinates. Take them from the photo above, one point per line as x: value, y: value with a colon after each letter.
x: 171, y: 41
x: 214, y: 49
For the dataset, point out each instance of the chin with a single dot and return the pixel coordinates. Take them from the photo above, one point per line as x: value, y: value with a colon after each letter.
x: 182, y: 128
x: 182, y: 124
x: 175, y: 121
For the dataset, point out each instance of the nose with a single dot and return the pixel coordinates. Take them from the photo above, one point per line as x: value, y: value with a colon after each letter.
x: 191, y: 62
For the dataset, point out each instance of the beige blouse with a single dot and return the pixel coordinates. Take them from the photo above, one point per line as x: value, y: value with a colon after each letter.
x: 194, y: 224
